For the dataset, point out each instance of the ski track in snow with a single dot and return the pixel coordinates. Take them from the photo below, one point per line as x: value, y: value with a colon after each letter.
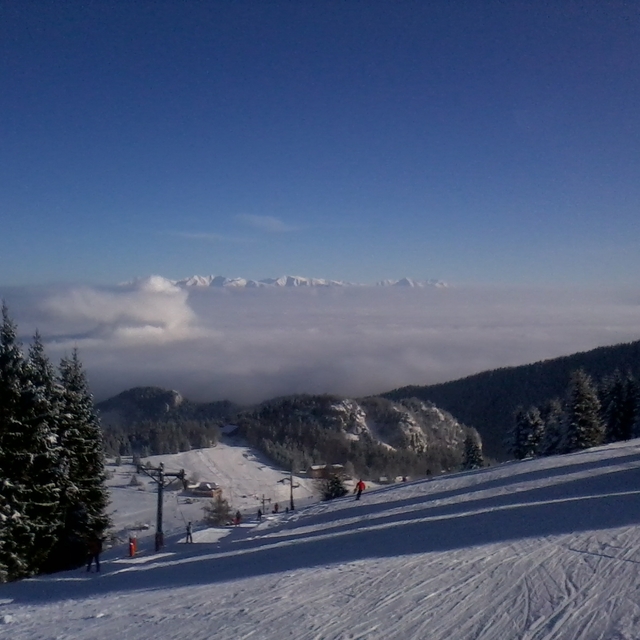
x: 538, y: 550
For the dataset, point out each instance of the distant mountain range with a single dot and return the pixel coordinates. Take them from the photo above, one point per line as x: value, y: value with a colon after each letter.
x: 295, y: 281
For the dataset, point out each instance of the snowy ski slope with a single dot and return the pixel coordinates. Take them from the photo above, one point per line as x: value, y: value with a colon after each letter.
x: 244, y: 475
x: 543, y: 549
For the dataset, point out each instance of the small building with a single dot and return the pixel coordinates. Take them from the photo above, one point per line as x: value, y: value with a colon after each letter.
x: 325, y: 471
x: 204, y: 489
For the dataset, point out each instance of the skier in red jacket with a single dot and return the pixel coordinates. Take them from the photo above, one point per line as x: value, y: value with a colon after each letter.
x: 360, y: 487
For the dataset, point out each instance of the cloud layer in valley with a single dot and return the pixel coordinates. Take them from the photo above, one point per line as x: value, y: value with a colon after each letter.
x: 249, y: 345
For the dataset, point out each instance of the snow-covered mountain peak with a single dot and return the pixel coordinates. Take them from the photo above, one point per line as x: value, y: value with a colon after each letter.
x: 409, y: 282
x: 288, y: 281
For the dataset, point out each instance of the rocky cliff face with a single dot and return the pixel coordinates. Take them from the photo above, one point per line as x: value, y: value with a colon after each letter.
x: 410, y: 424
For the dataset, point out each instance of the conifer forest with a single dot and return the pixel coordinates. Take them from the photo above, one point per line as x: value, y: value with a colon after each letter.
x: 53, y: 497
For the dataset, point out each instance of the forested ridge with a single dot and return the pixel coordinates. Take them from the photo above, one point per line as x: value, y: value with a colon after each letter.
x: 373, y: 436
x: 488, y: 401
x: 302, y: 430
x: 152, y: 421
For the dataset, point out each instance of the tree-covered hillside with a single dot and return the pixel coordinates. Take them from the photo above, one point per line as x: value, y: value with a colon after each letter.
x: 373, y: 436
x: 153, y: 403
x: 148, y: 421
x: 489, y: 400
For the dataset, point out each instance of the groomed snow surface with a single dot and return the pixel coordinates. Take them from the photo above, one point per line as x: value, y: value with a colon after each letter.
x: 539, y: 549
x: 245, y: 476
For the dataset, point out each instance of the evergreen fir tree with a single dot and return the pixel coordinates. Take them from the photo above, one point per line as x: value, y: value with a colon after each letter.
x: 85, y: 496
x: 583, y: 426
x: 553, y: 418
x: 472, y: 457
x: 41, y: 403
x: 5, y: 517
x: 635, y: 393
x: 333, y: 488
x: 516, y: 440
x: 535, y: 435
x: 16, y: 536
x: 218, y: 511
x: 527, y: 433
x: 619, y: 406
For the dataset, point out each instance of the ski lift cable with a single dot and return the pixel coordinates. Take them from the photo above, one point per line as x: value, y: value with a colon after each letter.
x: 180, y: 510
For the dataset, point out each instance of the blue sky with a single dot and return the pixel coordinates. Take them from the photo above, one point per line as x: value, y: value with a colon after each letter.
x: 475, y: 142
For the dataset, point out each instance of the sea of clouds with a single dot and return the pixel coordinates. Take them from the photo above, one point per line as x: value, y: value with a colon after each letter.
x: 253, y: 344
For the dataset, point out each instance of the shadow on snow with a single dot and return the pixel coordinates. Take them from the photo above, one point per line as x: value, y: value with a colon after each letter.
x: 608, y: 500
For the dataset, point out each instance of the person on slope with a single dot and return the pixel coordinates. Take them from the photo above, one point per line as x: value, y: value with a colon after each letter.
x: 360, y: 487
x: 94, y: 549
x: 189, y: 532
x: 238, y: 517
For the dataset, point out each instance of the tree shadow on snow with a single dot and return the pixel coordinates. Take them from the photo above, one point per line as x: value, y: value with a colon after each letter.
x: 477, y: 484
x: 598, y: 502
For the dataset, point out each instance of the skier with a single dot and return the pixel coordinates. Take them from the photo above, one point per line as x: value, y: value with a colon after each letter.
x: 259, y: 514
x: 276, y: 508
x: 94, y: 549
x: 238, y: 517
x: 360, y: 487
x: 189, y: 532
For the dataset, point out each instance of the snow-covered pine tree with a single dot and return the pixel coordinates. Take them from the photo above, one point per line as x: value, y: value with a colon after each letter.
x: 553, y: 418
x: 527, y: 433
x: 41, y: 461
x: 5, y: 516
x: 583, y: 426
x: 618, y: 401
x: 535, y: 435
x: 217, y: 512
x: 85, y: 497
x: 635, y: 430
x: 472, y: 457
x: 16, y: 536
x: 333, y: 488
x: 516, y: 438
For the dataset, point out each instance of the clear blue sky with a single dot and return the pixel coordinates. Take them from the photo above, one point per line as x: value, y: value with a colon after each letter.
x: 473, y: 141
